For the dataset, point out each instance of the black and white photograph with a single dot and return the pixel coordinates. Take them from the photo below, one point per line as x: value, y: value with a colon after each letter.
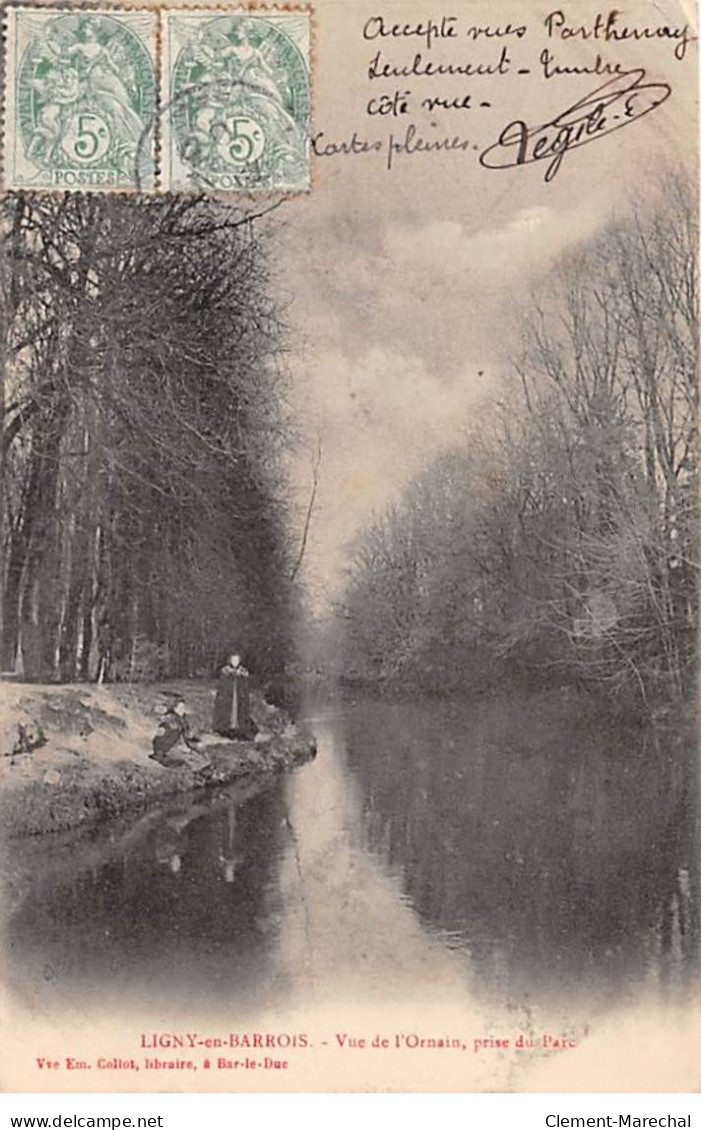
x: 349, y: 514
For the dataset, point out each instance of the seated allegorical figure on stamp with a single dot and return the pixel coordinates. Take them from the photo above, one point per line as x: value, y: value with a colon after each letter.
x: 81, y: 93
x: 108, y: 77
x: 239, y: 100
x: 232, y: 713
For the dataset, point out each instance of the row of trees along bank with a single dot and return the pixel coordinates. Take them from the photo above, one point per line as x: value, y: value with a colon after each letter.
x: 142, y: 522
x: 561, y: 544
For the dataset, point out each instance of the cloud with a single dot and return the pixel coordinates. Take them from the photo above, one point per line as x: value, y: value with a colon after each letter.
x: 408, y: 337
x: 437, y: 290
x: 381, y: 417
x: 528, y: 243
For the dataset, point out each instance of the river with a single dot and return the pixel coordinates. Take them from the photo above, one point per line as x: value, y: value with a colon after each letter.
x: 516, y: 851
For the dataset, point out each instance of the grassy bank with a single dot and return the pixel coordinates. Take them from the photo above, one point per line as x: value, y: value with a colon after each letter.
x: 94, y: 762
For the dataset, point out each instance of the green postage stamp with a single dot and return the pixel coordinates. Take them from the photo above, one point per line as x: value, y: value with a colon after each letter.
x: 235, y: 97
x: 80, y: 99
x: 181, y: 100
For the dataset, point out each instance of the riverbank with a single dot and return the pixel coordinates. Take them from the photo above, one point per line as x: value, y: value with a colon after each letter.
x: 586, y: 702
x: 92, y: 745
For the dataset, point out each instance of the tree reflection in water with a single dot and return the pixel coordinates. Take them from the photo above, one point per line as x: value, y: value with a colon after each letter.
x: 559, y: 853
x: 181, y: 905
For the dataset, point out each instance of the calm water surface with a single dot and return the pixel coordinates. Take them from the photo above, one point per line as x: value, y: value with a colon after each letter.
x: 509, y: 847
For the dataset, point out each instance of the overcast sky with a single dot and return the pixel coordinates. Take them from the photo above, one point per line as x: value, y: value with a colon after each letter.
x: 403, y: 284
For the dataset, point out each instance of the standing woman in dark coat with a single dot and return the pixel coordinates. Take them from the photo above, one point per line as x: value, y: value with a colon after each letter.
x: 232, y: 712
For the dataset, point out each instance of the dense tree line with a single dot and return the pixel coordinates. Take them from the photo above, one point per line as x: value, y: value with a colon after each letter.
x: 143, y: 516
x: 561, y: 544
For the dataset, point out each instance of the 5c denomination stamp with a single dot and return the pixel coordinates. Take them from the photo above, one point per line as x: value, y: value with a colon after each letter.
x: 235, y: 100
x: 80, y: 99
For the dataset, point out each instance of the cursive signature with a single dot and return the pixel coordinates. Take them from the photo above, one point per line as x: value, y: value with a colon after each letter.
x: 619, y: 102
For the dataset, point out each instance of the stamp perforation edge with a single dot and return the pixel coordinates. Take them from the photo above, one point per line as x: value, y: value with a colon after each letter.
x: 148, y: 45
x: 279, y: 124
x: 158, y: 10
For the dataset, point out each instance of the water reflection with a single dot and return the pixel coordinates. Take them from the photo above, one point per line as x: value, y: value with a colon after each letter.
x: 560, y: 855
x: 181, y: 905
x: 526, y: 854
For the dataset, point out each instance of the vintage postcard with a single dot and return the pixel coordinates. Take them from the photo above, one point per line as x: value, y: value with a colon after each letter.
x: 349, y: 518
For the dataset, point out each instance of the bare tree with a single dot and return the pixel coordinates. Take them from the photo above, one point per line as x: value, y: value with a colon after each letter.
x: 565, y: 543
x: 316, y: 465
x: 142, y: 436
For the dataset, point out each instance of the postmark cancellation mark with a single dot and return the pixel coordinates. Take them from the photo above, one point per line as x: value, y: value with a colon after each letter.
x: 236, y: 97
x: 86, y: 109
